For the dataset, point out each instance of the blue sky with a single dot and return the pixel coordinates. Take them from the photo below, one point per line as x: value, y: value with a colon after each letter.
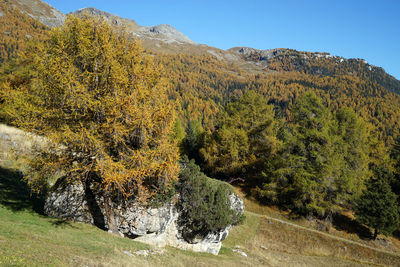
x: 368, y: 29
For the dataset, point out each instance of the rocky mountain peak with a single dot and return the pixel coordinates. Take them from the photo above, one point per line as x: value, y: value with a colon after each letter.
x: 163, y: 32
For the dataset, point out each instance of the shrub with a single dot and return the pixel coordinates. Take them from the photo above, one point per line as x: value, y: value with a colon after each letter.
x: 204, y: 203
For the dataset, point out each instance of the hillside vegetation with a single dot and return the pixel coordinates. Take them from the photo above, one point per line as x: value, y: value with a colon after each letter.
x: 311, y: 141
x: 202, y: 83
x: 266, y: 241
x: 16, y: 30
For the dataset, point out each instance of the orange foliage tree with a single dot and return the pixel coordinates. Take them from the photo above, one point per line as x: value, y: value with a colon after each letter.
x: 103, y: 106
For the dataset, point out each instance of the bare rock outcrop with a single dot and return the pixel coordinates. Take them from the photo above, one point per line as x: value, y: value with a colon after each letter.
x: 157, y: 226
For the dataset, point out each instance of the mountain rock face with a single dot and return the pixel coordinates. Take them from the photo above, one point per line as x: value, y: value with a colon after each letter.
x: 41, y: 11
x: 157, y: 226
x: 265, y: 57
x: 164, y: 32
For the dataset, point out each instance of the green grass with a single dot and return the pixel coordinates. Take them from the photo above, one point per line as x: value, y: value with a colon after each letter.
x: 29, y: 238
x: 244, y: 233
x: 36, y: 241
x: 15, y: 194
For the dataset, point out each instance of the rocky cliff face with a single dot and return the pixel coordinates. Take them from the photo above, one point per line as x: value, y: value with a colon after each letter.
x: 156, y: 226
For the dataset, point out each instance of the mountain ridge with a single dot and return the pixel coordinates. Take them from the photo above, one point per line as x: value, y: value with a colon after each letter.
x: 167, y: 39
x: 162, y: 32
x: 204, y: 78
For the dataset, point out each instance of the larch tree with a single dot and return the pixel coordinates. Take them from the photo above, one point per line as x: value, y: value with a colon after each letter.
x: 104, y: 109
x: 243, y: 140
x: 323, y: 159
x: 352, y: 150
x: 303, y: 174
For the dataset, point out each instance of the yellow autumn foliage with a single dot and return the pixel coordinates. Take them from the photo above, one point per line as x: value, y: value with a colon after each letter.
x: 102, y: 104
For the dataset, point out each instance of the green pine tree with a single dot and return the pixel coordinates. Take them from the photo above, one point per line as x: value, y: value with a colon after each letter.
x: 395, y: 155
x: 191, y: 142
x: 178, y: 132
x: 204, y: 202
x: 377, y: 207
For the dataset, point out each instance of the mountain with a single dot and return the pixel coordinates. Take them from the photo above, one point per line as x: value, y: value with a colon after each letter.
x: 164, y: 32
x: 204, y: 78
x: 16, y: 29
x: 166, y: 39
x: 162, y: 38
x: 39, y: 10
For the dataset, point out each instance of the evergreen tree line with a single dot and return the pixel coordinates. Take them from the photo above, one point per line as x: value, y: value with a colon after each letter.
x: 317, y: 161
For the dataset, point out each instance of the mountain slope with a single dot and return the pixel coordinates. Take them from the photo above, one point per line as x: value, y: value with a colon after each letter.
x: 204, y: 78
x: 16, y: 29
x: 162, y: 38
x: 267, y: 236
x: 40, y: 10
x: 317, y: 63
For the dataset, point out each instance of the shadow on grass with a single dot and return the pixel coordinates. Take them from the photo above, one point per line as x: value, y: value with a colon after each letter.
x: 15, y: 193
x: 63, y: 223
x: 396, y: 234
x: 344, y: 223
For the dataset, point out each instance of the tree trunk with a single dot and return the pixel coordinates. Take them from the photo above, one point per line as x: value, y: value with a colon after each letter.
x: 108, y: 205
x: 375, y: 234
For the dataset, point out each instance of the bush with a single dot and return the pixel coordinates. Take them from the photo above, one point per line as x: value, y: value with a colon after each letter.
x: 204, y: 203
x: 164, y: 195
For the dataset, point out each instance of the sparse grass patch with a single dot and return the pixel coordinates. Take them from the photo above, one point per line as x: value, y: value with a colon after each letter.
x: 277, y: 236
x: 243, y: 233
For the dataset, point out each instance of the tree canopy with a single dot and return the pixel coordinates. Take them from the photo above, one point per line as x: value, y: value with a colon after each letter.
x: 243, y: 139
x: 103, y: 107
x: 323, y: 160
